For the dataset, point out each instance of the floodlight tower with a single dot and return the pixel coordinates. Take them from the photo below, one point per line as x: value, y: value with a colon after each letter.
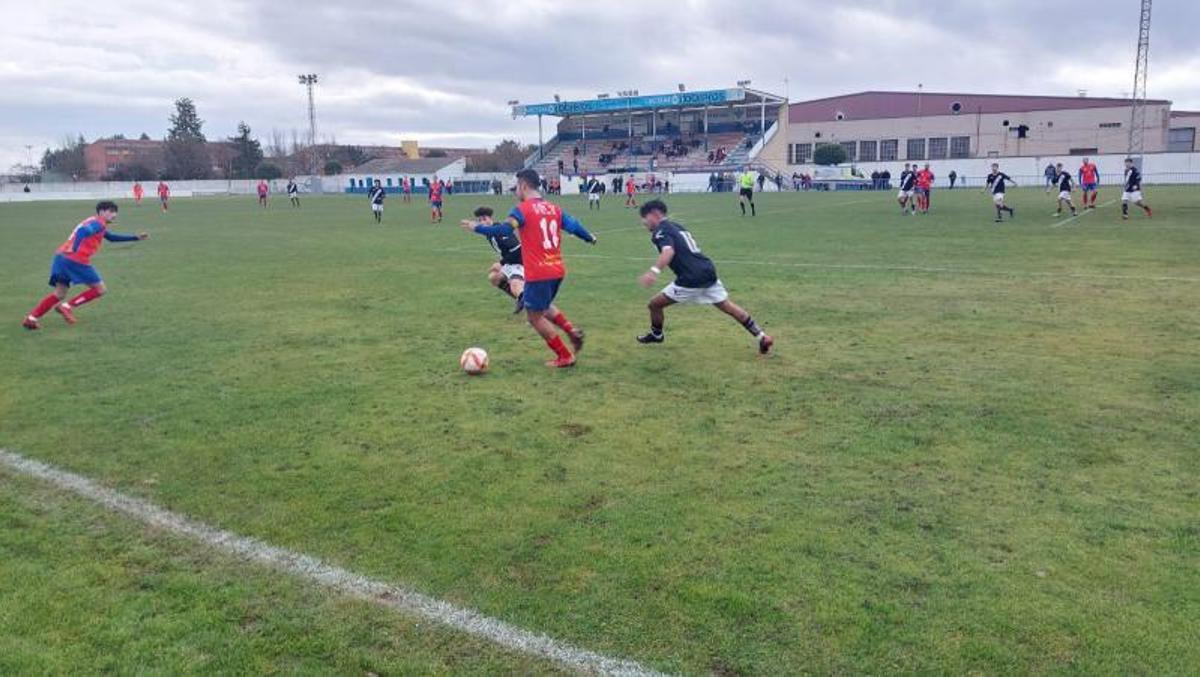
x: 1137, y: 115
x: 309, y: 80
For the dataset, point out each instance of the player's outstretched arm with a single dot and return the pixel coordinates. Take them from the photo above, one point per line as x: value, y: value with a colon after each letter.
x: 574, y: 227
x: 123, y: 237
x: 664, y: 259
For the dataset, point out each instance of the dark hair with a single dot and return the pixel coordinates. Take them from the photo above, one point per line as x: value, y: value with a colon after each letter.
x: 654, y: 206
x: 1129, y: 159
x: 530, y: 178
x: 106, y: 206
x: 483, y: 211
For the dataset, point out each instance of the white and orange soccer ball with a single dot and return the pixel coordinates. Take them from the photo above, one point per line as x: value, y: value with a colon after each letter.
x: 474, y: 361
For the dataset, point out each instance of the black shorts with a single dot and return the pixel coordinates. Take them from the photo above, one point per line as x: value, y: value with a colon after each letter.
x: 747, y: 193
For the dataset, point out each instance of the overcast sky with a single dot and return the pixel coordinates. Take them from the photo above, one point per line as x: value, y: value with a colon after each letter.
x: 441, y: 72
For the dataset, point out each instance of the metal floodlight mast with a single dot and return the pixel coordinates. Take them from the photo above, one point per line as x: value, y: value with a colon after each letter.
x: 309, y: 80
x: 1137, y: 113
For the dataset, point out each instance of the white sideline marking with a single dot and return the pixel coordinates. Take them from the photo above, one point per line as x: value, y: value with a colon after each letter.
x: 1083, y: 213
x: 920, y: 269
x: 327, y: 575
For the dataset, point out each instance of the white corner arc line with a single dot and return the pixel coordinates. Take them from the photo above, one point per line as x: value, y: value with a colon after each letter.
x: 329, y: 576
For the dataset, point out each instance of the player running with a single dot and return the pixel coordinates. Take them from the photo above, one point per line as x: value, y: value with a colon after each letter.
x: 164, y: 194
x: 630, y: 192
x: 1133, y: 190
x: 696, y: 280
x: 72, y: 264
x: 293, y: 192
x: 1065, y: 186
x: 924, y: 188
x: 908, y: 183
x: 508, y: 274
x: 376, y: 196
x: 263, y: 191
x: 435, y: 200
x: 138, y: 193
x: 1089, y: 181
x: 996, y: 181
x: 406, y: 186
x: 539, y: 224
x: 746, y: 191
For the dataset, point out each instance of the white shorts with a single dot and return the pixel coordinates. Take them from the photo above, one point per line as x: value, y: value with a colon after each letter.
x: 593, y: 197
x: 511, y: 270
x: 1064, y: 195
x: 904, y: 195
x: 998, y: 198
x: 1135, y: 196
x: 715, y: 293
x: 376, y: 207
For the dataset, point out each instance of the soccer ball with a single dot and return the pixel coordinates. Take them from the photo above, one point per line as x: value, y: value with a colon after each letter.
x: 474, y: 361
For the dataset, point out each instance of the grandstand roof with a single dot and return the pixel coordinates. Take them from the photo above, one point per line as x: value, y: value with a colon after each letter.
x: 875, y: 105
x: 1185, y: 113
x: 394, y: 166
x: 737, y: 96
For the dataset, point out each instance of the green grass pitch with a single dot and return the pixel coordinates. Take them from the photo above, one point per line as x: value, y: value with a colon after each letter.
x: 976, y: 449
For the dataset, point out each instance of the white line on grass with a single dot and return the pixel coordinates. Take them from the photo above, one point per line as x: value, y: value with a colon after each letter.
x: 921, y: 269
x: 327, y: 575
x: 1082, y: 213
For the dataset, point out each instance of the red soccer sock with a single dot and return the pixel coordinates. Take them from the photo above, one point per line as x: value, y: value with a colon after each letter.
x: 560, y: 349
x: 563, y: 323
x: 86, y: 297
x: 44, y: 305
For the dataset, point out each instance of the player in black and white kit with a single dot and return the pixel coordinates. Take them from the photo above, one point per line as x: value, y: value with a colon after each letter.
x: 508, y: 274
x: 908, y: 181
x: 595, y: 189
x: 377, y: 195
x: 696, y: 278
x: 1133, y: 190
x: 293, y: 192
x: 996, y: 182
x: 1066, y: 183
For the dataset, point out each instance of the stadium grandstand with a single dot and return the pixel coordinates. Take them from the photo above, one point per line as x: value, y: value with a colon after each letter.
x: 701, y: 131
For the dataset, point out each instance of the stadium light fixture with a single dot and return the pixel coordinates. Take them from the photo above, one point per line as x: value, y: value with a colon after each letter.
x: 601, y: 96
x: 682, y: 88
x: 743, y: 83
x: 513, y: 102
x: 557, y: 99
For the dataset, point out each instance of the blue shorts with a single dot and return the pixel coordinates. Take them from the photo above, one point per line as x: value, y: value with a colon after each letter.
x: 68, y: 272
x: 539, y: 296
x: 1090, y: 187
x: 437, y: 204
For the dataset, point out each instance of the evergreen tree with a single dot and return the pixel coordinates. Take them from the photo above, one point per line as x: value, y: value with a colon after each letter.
x: 186, y: 153
x: 247, y: 153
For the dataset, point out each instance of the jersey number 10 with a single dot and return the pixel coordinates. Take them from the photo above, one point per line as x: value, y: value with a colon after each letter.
x: 549, y: 234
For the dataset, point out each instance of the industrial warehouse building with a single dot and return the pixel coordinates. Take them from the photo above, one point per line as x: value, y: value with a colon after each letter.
x: 907, y: 126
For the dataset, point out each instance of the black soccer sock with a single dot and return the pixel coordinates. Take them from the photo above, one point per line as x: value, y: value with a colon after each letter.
x: 753, y: 211
x: 504, y: 287
x: 743, y: 206
x: 752, y: 327
x: 657, y: 330
x: 999, y: 213
x: 1009, y: 210
x: 1125, y: 208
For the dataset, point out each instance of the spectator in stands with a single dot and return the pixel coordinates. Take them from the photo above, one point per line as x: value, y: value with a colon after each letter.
x: 560, y: 166
x: 886, y: 175
x: 712, y: 178
x: 953, y: 176
x: 575, y: 163
x: 875, y: 180
x: 1051, y: 174
x: 779, y: 182
x: 762, y: 180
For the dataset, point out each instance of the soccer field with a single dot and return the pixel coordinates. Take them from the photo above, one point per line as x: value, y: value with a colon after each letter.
x: 977, y: 447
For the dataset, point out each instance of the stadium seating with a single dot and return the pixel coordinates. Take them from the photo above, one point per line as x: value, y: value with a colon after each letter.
x: 604, y: 155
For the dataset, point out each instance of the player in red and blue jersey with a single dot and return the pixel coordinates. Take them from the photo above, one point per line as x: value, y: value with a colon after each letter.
x: 539, y: 224
x: 435, y: 200
x: 1089, y: 181
x: 72, y: 264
